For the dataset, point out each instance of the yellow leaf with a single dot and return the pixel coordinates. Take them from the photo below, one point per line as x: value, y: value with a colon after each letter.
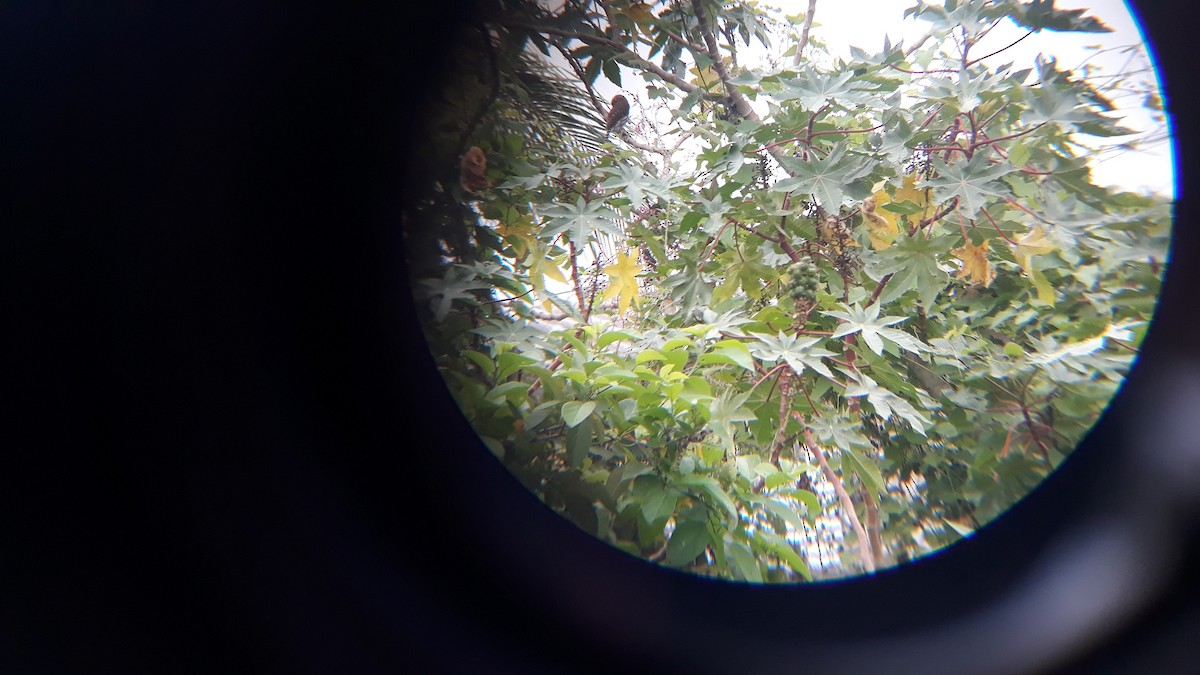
x: 881, y: 223
x: 622, y: 278
x: 1031, y: 243
x: 519, y: 232
x: 1045, y: 291
x: 707, y: 78
x: 539, y: 267
x: 976, y: 267
x: 640, y: 13
x: 909, y: 192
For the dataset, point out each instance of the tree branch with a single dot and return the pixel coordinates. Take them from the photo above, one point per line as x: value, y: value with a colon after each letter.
x: 785, y: 403
x: 864, y: 541
x: 710, y: 41
x: 808, y: 19
x: 613, y: 44
x: 935, y: 217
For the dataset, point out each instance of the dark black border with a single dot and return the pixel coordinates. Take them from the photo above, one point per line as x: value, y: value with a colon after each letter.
x: 230, y: 452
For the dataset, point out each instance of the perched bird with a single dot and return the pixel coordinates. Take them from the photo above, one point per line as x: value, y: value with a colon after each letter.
x: 473, y: 170
x: 618, y: 114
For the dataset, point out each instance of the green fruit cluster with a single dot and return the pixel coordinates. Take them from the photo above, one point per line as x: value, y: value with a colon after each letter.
x: 803, y: 280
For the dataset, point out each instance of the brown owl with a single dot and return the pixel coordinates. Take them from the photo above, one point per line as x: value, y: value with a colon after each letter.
x: 618, y: 114
x: 473, y: 170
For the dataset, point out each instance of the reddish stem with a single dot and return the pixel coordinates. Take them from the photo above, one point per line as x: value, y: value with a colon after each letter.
x: 989, y: 217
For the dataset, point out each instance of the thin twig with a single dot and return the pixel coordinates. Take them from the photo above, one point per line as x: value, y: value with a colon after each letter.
x: 989, y: 217
x: 974, y: 61
x: 935, y: 217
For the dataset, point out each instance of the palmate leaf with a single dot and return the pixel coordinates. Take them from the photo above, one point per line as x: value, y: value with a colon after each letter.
x: 1049, y: 103
x: 913, y: 262
x: 637, y: 184
x: 742, y: 268
x: 797, y: 352
x: 814, y: 89
x: 623, y: 280
x: 975, y: 265
x: 885, y: 402
x: 973, y: 15
x: 539, y: 266
x: 580, y: 220
x: 964, y: 91
x: 972, y: 181
x: 728, y: 409
x: 715, y: 324
x: 688, y: 287
x: 443, y: 292
x: 714, y: 214
x: 824, y: 178
x: 894, y: 142
x: 839, y: 431
x: 873, y: 327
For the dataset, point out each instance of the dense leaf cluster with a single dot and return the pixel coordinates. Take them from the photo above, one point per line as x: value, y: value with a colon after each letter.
x: 884, y: 302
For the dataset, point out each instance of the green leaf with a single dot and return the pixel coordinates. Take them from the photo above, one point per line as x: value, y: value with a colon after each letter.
x: 578, y: 441
x: 867, y: 470
x: 824, y: 178
x: 813, y: 89
x: 580, y: 220
x: 1018, y: 154
x: 709, y: 486
x: 449, y: 288
x: 972, y: 181
x: 510, y: 362
x: 688, y: 540
x: 798, y: 352
x: 776, y: 479
x: 743, y: 561
x: 810, y: 500
x: 787, y: 554
x: 1049, y: 103
x: 655, y: 501
x: 727, y: 410
x: 612, y: 70
x: 787, y: 513
x: 516, y: 392
x: 612, y: 336
x: 868, y: 323
x: 483, y: 361
x: 574, y: 412
x: 732, y: 352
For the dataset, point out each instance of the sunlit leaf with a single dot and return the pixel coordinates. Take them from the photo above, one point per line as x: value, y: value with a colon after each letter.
x: 622, y: 280
x: 574, y: 412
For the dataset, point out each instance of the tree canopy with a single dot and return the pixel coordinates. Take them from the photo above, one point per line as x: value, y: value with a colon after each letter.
x: 795, y: 320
